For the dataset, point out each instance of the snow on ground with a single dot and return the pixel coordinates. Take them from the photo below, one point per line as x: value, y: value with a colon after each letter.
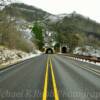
x: 26, y: 32
x: 53, y: 18
x: 61, y: 16
x: 9, y: 57
x: 31, y: 55
x: 89, y: 51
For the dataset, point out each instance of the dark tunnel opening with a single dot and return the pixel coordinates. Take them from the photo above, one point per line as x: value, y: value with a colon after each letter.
x: 64, y: 50
x: 49, y: 51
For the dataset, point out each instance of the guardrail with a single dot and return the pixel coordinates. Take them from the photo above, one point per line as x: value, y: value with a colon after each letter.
x: 89, y: 58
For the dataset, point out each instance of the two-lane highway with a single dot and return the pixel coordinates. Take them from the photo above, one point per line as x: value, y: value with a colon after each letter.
x: 50, y: 77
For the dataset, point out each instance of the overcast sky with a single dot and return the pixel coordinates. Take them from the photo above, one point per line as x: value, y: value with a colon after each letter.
x: 89, y: 8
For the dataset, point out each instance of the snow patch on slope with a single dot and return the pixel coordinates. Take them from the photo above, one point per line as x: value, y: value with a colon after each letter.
x: 8, y: 57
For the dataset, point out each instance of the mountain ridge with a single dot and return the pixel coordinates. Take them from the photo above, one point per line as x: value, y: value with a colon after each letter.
x: 63, y: 24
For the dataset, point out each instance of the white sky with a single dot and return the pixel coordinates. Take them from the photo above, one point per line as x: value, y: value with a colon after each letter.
x: 89, y: 8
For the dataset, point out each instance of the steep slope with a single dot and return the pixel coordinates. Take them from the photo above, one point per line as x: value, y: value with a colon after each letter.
x: 28, y: 13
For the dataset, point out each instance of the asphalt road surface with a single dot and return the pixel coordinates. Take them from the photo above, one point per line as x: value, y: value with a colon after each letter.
x: 50, y: 77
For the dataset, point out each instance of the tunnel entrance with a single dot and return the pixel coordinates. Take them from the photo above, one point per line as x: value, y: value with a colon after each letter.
x: 49, y: 51
x: 64, y: 50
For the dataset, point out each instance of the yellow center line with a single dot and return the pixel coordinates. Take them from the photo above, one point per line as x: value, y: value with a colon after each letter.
x: 45, y: 83
x: 54, y: 82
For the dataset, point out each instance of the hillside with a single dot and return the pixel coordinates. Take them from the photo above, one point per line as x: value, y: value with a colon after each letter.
x: 31, y: 13
x: 25, y: 12
x: 82, y: 23
x: 63, y: 26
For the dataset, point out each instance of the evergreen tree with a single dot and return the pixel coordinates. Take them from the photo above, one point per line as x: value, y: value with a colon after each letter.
x: 38, y: 32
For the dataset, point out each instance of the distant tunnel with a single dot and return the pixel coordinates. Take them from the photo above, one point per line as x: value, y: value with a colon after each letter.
x: 63, y: 50
x: 49, y: 51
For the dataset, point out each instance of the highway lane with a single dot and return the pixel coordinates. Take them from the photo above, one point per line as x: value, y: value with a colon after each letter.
x: 73, y: 81
x: 50, y: 77
x: 24, y: 81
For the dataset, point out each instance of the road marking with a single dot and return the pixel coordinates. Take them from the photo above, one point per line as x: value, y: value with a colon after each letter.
x: 54, y: 82
x: 95, y: 71
x: 91, y: 70
x: 46, y: 83
x: 98, y: 71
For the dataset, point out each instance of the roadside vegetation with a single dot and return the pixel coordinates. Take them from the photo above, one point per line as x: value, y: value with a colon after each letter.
x: 37, y: 31
x: 73, y: 30
x: 10, y: 35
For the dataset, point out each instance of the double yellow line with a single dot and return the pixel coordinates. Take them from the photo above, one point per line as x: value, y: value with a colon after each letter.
x: 45, y: 91
x: 46, y: 82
